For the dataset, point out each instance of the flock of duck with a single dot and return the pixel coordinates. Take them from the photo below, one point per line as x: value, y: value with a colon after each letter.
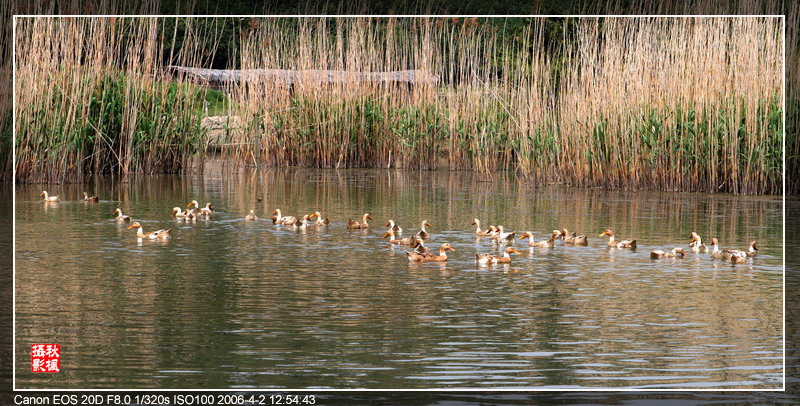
x: 421, y: 253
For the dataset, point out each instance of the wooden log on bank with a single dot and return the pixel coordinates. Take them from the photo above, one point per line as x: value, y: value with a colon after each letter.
x: 221, y: 77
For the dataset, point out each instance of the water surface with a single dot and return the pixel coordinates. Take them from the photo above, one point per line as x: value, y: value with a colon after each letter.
x: 234, y: 304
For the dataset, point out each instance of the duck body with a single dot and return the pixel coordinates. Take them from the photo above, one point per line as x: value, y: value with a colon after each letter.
x: 442, y: 257
x: 424, y: 234
x: 502, y: 236
x: 479, y: 232
x: 398, y: 241
x: 120, y: 217
x: 251, y: 217
x: 483, y: 259
x: 675, y: 253
x: 179, y: 214
x: 302, y: 223
x: 162, y: 234
x: 320, y: 221
x: 740, y: 256
x: 716, y: 252
x: 394, y: 227
x: 489, y: 259
x: 419, y: 246
x: 207, y: 211
x: 626, y: 243
x: 548, y: 243
x: 278, y: 218
x: 574, y: 238
x: 49, y: 199
x: 696, y: 243
x: 359, y: 225
x: 87, y: 198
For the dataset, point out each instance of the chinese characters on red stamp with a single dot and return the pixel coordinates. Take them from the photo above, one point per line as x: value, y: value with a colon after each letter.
x: 45, y: 358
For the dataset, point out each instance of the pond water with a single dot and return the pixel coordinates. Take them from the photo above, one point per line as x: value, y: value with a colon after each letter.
x: 232, y: 304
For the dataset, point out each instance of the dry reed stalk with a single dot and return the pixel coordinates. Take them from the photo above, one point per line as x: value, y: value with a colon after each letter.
x: 95, y: 97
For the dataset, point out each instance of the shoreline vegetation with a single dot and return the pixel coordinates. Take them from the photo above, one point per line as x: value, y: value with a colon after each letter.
x: 676, y: 104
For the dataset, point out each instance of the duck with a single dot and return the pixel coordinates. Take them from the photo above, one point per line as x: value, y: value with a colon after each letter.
x: 752, y: 250
x: 87, y: 198
x: 356, y: 225
x: 442, y: 257
x: 503, y: 236
x: 422, y: 232
x: 205, y: 211
x: 400, y: 241
x: 155, y: 235
x: 320, y: 221
x: 394, y: 227
x: 302, y: 223
x: 180, y: 214
x: 277, y: 218
x: 573, y: 238
x: 696, y: 244
x: 671, y: 254
x: 191, y: 214
x: 622, y: 244
x: 251, y: 217
x: 738, y: 257
x: 478, y: 231
x: 120, y: 217
x: 741, y: 255
x: 548, y: 243
x: 489, y: 259
x: 48, y: 198
x: 716, y: 252
x: 419, y: 246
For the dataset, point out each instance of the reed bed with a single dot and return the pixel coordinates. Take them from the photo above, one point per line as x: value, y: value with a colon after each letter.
x: 674, y: 104
x: 93, y: 97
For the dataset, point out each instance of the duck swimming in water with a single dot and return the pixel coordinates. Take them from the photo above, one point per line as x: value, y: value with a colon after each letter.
x: 87, y: 198
x: 502, y: 236
x: 356, y: 225
x: 675, y: 253
x: 251, y: 217
x: 626, y: 243
x: 478, y: 231
x: 489, y: 259
x: 278, y: 218
x: 208, y: 210
x: 696, y: 243
x: 740, y: 256
x: 442, y: 257
x: 548, y: 243
x: 394, y: 227
x: 48, y: 198
x: 320, y: 221
x: 400, y: 241
x: 424, y: 234
x: 155, y: 235
x: 120, y: 217
x: 180, y: 214
x: 574, y: 238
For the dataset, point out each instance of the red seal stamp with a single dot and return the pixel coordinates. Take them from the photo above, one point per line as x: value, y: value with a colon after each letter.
x: 45, y: 358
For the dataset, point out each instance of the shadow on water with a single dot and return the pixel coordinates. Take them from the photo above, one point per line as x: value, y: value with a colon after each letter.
x: 234, y: 304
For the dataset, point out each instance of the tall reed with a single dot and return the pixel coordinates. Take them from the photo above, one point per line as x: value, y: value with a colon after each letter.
x: 675, y: 104
x: 93, y: 97
x: 671, y: 103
